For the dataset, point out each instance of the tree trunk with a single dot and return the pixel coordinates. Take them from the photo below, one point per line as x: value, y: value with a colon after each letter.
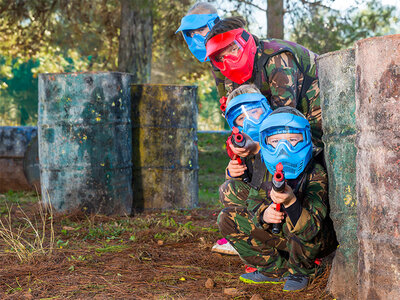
x: 134, y: 55
x: 275, y: 19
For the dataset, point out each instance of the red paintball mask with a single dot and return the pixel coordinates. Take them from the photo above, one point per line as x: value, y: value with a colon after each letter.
x: 237, y: 67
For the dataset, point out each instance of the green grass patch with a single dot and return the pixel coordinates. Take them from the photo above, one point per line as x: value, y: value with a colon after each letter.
x: 212, y: 162
x: 15, y: 199
x: 101, y: 231
x: 112, y: 248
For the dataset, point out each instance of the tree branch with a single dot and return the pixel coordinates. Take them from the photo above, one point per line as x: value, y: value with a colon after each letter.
x: 252, y: 4
x: 317, y: 3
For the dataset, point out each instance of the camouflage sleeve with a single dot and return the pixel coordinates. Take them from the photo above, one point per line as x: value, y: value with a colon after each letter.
x: 256, y: 203
x: 284, y: 80
x: 257, y: 200
x: 314, y: 206
x: 219, y: 81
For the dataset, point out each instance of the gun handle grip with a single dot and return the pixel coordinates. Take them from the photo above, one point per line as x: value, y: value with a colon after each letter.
x: 276, y: 228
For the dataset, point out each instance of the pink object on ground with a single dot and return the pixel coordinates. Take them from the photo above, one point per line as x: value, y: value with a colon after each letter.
x: 222, y: 241
x: 222, y: 246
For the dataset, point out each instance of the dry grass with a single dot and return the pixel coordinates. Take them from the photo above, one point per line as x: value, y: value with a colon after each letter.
x: 27, y: 237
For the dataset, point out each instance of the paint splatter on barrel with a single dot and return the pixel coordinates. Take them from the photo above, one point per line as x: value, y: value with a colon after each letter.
x: 165, y: 157
x: 85, y: 141
x: 337, y: 80
x: 14, y: 141
x: 378, y: 166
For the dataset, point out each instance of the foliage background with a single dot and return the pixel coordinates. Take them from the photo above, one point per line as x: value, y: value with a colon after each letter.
x: 49, y: 36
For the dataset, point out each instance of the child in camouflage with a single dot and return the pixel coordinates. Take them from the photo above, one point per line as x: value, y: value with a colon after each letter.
x: 307, y: 231
x: 246, y: 109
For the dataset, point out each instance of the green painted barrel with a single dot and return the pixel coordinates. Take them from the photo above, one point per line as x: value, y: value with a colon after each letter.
x: 337, y: 80
x: 164, y: 140
x: 85, y: 141
x: 378, y: 166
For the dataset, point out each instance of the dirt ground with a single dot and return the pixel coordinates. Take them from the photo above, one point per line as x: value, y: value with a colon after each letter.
x: 154, y: 255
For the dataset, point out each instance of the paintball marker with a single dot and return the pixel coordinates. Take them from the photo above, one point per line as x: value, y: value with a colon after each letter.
x: 222, y: 101
x: 238, y: 141
x: 278, y: 184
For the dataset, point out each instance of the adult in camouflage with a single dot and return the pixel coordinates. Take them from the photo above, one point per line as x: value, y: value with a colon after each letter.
x: 195, y: 27
x: 284, y: 72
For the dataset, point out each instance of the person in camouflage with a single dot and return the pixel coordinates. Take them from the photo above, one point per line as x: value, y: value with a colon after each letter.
x: 195, y: 27
x: 249, y: 214
x: 284, y: 71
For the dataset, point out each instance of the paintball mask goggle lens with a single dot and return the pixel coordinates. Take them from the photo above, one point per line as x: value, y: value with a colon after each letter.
x: 252, y: 112
x: 194, y: 28
x: 233, y: 52
x: 246, y: 112
x: 200, y: 31
x: 292, y: 139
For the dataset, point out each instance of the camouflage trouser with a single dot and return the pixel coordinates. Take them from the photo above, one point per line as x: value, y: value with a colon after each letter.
x: 273, y: 255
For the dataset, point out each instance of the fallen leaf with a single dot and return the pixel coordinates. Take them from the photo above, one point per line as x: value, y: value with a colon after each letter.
x: 231, y: 291
x: 68, y: 228
x: 209, y: 283
x: 27, y: 296
x: 256, y: 297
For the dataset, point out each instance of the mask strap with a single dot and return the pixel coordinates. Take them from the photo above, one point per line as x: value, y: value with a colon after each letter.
x: 212, y: 23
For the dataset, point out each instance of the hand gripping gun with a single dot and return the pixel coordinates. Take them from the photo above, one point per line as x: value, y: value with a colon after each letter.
x: 238, y: 141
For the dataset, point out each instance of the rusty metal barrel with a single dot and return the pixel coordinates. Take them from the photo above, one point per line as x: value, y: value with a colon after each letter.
x: 14, y: 141
x: 337, y: 83
x: 378, y: 166
x: 164, y: 141
x: 85, y: 141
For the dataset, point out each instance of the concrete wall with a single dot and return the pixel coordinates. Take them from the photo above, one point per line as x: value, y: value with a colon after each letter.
x: 367, y: 263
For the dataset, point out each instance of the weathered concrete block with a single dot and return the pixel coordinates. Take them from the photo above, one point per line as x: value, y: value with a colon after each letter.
x: 378, y: 166
x: 337, y: 79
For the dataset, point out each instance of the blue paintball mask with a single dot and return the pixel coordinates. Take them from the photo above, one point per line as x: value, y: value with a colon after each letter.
x: 246, y: 112
x: 197, y: 42
x: 293, y: 158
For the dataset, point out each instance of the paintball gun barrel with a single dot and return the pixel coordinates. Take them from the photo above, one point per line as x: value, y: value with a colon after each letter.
x: 278, y: 184
x: 237, y: 138
x: 222, y: 101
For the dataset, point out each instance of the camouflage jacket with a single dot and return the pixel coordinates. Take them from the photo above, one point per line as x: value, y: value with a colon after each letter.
x: 286, y: 74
